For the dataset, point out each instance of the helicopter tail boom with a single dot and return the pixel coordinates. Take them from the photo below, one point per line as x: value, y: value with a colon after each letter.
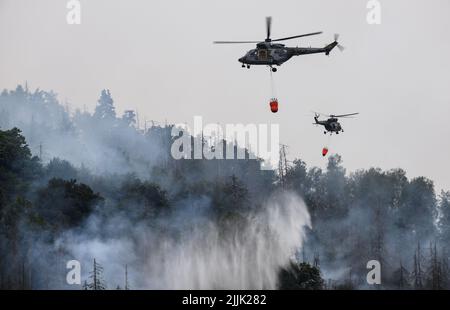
x: 297, y: 51
x: 313, y: 50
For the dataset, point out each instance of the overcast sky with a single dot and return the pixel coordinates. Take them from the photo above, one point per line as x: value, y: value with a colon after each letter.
x: 157, y: 57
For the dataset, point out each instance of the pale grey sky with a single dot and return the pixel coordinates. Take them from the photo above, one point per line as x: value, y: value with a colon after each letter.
x: 157, y: 56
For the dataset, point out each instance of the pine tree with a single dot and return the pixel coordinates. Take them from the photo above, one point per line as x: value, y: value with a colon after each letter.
x: 434, y: 279
x: 316, y: 260
x: 400, y: 277
x: 417, y: 274
x: 401, y: 283
x: 444, y: 270
x: 444, y: 220
x: 96, y: 276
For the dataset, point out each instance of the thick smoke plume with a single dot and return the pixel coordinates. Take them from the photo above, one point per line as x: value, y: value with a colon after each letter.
x: 103, y: 188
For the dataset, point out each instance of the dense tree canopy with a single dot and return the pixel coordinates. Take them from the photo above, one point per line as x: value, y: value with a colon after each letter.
x: 97, y: 168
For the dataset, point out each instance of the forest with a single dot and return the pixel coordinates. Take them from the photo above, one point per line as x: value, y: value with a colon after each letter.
x: 102, y: 189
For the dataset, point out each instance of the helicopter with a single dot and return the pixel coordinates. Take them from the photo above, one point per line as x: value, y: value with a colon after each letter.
x: 331, y: 124
x: 271, y: 54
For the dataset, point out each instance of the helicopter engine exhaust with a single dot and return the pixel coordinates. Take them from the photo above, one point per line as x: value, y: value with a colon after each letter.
x: 273, y: 103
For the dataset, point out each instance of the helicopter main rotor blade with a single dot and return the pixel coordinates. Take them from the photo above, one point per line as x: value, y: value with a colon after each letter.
x: 234, y: 42
x: 299, y: 36
x: 345, y: 115
x: 268, y: 26
x: 323, y: 114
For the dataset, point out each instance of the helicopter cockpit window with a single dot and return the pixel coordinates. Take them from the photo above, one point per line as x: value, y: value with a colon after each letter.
x: 263, y: 54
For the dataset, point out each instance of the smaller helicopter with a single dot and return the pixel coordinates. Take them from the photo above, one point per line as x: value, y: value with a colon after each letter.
x: 331, y: 124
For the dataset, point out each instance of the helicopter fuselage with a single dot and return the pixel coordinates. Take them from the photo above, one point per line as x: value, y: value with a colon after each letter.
x: 270, y: 54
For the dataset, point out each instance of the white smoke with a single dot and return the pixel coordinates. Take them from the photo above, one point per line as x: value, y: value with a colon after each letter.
x: 201, y: 255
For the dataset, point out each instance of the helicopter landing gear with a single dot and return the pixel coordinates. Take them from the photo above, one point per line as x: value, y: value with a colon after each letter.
x: 324, y: 132
x: 243, y: 66
x: 248, y: 66
x: 274, y: 70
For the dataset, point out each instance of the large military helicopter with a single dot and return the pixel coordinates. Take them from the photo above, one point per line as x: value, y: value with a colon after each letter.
x: 331, y: 124
x: 270, y: 54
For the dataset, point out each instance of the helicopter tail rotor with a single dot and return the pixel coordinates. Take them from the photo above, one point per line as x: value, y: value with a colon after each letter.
x: 268, y: 34
x: 345, y: 115
x: 350, y: 115
x: 335, y: 43
x: 339, y: 46
x: 318, y: 114
x: 316, y: 119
